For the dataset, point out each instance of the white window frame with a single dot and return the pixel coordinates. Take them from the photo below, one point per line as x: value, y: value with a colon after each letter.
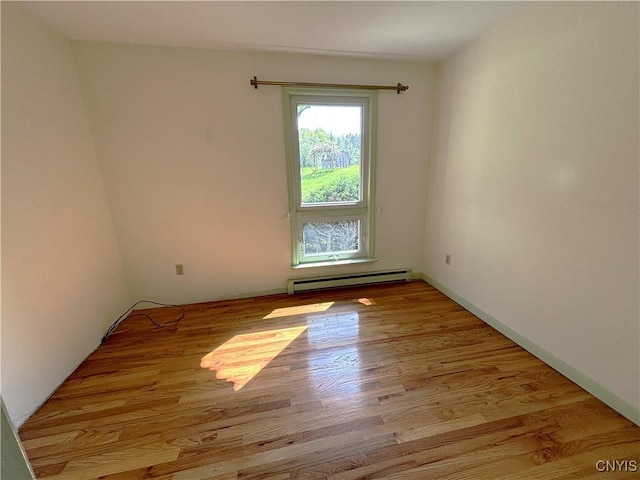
x: 361, y: 210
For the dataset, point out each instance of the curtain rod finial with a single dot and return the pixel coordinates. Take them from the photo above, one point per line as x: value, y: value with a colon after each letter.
x: 402, y: 88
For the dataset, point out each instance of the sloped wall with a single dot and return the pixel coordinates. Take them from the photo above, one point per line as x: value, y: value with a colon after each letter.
x: 62, y: 276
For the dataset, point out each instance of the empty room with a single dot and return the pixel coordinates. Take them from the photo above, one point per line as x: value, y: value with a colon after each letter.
x: 328, y: 240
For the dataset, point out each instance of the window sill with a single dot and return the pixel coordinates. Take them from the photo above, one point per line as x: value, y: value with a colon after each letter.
x: 350, y: 261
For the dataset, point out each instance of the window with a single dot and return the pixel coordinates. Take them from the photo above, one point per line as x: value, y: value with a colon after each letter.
x: 329, y: 137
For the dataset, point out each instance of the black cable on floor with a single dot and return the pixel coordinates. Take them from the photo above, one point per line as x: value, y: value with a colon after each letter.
x: 126, y: 315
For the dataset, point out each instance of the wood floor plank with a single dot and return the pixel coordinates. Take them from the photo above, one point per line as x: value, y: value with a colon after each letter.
x: 115, y: 461
x: 391, y: 381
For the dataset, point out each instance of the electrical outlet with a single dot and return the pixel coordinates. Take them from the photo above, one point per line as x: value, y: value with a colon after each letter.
x: 447, y: 259
x: 179, y: 269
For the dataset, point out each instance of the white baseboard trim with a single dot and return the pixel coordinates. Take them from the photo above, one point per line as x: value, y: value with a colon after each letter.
x: 417, y: 275
x: 605, y: 395
x: 242, y: 295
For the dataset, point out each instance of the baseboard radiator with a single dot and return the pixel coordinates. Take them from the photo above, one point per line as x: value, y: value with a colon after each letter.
x: 351, y: 279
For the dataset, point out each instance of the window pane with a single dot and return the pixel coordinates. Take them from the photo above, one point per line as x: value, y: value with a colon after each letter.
x: 330, y: 147
x: 332, y: 237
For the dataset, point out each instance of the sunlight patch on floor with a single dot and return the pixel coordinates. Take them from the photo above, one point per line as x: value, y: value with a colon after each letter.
x: 366, y: 301
x: 241, y: 358
x: 299, y: 310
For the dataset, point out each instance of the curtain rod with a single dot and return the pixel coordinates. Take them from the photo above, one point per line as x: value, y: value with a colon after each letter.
x: 398, y: 88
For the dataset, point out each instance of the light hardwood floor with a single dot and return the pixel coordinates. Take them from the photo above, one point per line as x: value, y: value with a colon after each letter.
x: 393, y: 381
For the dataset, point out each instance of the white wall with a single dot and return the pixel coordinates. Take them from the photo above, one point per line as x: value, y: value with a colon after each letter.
x: 533, y: 185
x: 62, y: 276
x: 195, y: 171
